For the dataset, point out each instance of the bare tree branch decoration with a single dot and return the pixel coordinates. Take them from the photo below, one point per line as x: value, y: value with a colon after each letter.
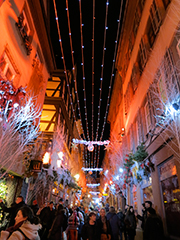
x: 20, y: 130
x: 165, y: 99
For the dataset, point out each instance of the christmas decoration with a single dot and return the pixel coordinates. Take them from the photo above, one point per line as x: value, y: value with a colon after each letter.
x: 91, y: 143
x: 10, y: 98
x: 92, y: 185
x: 92, y: 169
x: 18, y: 132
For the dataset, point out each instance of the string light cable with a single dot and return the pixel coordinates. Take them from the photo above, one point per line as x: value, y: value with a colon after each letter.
x: 82, y: 64
x: 75, y: 81
x: 72, y: 56
x: 112, y: 72
x: 64, y: 64
x: 102, y: 69
x: 112, y: 75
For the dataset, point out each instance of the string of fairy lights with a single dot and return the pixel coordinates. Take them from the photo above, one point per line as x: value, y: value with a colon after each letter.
x: 112, y: 75
x: 92, y: 103
x: 67, y: 80
x: 101, y: 81
x: 64, y: 64
x: 112, y: 72
x: 102, y: 69
x: 95, y: 158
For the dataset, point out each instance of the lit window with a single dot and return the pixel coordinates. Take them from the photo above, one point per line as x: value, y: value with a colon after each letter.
x: 8, y: 69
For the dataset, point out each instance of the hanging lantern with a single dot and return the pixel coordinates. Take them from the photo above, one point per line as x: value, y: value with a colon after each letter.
x: 90, y: 172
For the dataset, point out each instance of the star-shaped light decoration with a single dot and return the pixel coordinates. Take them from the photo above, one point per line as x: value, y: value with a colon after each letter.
x: 74, y: 146
x: 107, y: 147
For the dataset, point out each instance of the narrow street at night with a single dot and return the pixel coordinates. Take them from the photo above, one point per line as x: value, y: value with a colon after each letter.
x: 90, y: 120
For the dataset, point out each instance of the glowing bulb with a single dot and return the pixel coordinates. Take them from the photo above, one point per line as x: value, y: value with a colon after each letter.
x: 59, y: 163
x: 46, y: 158
x: 61, y: 155
x: 76, y: 177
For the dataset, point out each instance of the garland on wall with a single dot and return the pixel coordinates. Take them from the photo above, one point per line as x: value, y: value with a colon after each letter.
x: 137, y: 166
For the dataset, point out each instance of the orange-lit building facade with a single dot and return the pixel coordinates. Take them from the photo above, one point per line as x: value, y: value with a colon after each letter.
x: 27, y: 59
x: 146, y: 81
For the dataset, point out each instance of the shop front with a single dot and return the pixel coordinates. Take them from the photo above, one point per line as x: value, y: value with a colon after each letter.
x: 170, y: 194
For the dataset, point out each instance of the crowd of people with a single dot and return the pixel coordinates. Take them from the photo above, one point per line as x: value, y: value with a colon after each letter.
x: 60, y: 221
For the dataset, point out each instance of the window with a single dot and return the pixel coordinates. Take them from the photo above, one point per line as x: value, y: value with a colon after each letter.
x: 142, y: 3
x: 135, y: 77
x: 137, y: 128
x: 150, y: 33
x: 147, y: 116
x: 166, y: 3
x: 162, y: 90
x: 143, y: 51
x: 155, y: 17
x: 170, y: 76
x: 178, y: 47
x: 131, y: 42
x: 8, y: 69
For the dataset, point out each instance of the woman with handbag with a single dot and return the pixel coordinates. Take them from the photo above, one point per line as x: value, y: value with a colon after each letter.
x: 103, y: 226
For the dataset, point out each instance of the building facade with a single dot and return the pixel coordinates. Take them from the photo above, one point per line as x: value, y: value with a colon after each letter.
x: 145, y: 103
x: 26, y: 59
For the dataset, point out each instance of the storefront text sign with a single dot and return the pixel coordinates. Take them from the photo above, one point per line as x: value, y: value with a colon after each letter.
x: 167, y: 170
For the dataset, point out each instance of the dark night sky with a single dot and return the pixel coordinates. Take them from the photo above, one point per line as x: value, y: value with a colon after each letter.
x: 87, y: 20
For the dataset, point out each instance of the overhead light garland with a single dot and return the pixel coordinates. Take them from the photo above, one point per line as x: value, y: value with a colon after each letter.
x: 92, y: 185
x: 93, y: 169
x: 91, y: 144
x: 112, y: 73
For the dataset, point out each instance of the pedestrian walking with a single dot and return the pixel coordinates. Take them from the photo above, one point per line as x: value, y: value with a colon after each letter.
x: 47, y: 216
x: 59, y: 225
x: 89, y: 229
x: 103, y: 226
x: 121, y: 217
x: 130, y: 221
x: 114, y: 223
x: 26, y: 226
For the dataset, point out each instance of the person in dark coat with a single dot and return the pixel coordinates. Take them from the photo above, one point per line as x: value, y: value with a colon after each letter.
x: 125, y: 212
x: 34, y: 207
x: 47, y: 216
x: 143, y: 217
x: 121, y: 217
x: 59, y: 224
x: 114, y: 223
x: 130, y: 221
x: 89, y: 229
x: 13, y: 209
x: 153, y: 228
x: 103, y: 225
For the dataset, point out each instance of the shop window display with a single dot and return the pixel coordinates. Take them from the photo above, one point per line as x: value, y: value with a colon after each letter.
x: 171, y: 197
